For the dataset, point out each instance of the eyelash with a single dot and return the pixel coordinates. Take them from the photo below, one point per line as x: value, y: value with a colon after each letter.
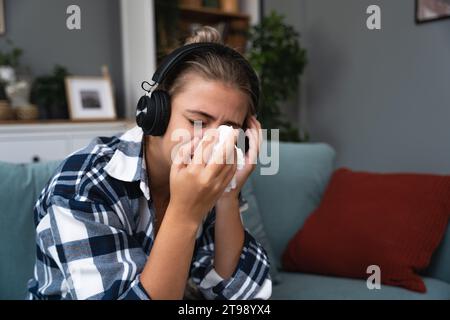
x: 204, y: 124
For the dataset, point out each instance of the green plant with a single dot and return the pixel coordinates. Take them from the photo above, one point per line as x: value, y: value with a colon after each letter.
x: 279, y: 60
x: 10, y: 58
x: 49, y: 92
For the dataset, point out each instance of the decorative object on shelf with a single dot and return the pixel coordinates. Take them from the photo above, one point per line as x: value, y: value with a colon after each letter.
x: 28, y: 112
x: 176, y: 19
x: 10, y: 58
x: 191, y: 3
x: 6, y: 112
x: 167, y: 14
x: 9, y: 61
x: 2, y: 17
x: 48, y: 93
x: 211, y: 3
x: 432, y: 10
x: 90, y: 98
x: 278, y: 58
x: 229, y: 5
x: 18, y: 93
x: 105, y: 72
x: 7, y: 74
x: 14, y: 86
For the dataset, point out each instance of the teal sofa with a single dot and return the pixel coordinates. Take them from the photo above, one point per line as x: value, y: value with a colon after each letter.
x: 284, y: 201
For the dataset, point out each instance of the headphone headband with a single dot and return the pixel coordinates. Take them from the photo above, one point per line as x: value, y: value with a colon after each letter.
x: 153, y: 109
x: 176, y: 56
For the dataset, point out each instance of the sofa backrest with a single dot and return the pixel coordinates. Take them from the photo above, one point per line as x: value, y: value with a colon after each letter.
x: 285, y: 201
x: 440, y: 261
x: 287, y: 198
x: 20, y: 186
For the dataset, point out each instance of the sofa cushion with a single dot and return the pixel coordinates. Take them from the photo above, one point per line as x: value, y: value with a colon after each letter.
x: 394, y: 221
x: 253, y: 222
x: 440, y: 261
x: 296, y: 286
x: 287, y: 198
x: 19, y: 189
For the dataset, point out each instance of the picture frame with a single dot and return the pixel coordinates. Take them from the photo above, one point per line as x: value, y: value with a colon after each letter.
x: 90, y: 98
x: 432, y: 10
x: 2, y: 17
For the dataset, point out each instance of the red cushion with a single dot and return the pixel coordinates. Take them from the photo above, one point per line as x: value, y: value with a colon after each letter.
x: 394, y: 221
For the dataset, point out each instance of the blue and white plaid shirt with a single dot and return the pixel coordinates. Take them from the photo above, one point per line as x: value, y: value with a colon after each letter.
x: 95, y: 227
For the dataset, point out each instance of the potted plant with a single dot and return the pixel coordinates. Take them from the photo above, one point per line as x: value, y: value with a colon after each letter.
x: 279, y: 60
x: 48, y: 92
x: 9, y: 61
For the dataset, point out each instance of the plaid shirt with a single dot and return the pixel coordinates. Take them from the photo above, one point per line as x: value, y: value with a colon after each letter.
x: 95, y: 229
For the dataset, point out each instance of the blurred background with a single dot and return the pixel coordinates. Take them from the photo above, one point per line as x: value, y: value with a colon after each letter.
x: 342, y: 94
x: 379, y: 97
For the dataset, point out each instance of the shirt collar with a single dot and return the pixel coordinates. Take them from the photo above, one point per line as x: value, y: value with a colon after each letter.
x: 127, y: 163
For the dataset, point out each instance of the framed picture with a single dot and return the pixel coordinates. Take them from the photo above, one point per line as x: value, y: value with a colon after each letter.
x: 90, y: 98
x: 2, y: 17
x: 432, y: 10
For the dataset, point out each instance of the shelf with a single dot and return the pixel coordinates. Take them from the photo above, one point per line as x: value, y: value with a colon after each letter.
x: 212, y: 12
x: 233, y: 27
x: 59, y: 121
x: 42, y: 128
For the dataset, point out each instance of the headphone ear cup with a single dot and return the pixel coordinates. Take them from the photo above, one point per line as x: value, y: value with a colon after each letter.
x: 166, y: 110
x: 144, y: 108
x: 153, y: 113
x: 162, y: 107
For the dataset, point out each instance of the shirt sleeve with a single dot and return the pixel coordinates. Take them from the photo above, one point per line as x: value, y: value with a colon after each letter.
x: 94, y: 251
x: 250, y: 280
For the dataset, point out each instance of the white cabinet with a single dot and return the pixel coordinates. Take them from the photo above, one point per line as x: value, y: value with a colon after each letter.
x: 22, y: 143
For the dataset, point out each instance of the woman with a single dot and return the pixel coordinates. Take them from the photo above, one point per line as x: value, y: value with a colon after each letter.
x: 121, y: 219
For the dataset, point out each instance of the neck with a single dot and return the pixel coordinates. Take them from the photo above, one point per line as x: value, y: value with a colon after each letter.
x: 157, y: 169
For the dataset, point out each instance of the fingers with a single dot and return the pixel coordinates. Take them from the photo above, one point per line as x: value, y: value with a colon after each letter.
x: 254, y: 134
x: 256, y: 126
x: 252, y: 152
x: 224, y: 154
x: 228, y: 169
x: 204, y: 149
x: 222, y: 165
x: 230, y: 148
x: 183, y: 154
x: 223, y: 179
x: 208, y: 149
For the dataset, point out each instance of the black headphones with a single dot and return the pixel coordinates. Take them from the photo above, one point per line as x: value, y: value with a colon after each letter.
x: 153, y: 108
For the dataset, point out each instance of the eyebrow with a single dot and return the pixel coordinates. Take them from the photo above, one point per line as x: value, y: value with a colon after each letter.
x: 210, y: 117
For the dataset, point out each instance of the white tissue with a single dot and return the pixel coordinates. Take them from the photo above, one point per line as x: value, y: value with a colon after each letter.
x: 224, y: 133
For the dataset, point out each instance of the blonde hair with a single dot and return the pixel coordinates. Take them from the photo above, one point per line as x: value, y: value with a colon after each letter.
x: 211, y: 66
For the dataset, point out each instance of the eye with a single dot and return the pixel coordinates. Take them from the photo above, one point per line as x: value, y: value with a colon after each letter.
x: 203, y: 123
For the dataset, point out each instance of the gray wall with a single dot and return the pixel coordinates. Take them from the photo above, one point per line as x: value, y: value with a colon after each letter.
x: 39, y: 27
x: 381, y: 98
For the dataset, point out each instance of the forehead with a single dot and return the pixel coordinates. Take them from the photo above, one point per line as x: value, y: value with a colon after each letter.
x: 221, y: 100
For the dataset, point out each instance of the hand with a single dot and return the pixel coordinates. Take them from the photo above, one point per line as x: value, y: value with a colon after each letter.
x: 196, y: 184
x: 254, y: 134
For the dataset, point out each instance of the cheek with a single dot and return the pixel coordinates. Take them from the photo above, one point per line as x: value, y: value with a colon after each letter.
x: 177, y: 127
x: 177, y: 122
